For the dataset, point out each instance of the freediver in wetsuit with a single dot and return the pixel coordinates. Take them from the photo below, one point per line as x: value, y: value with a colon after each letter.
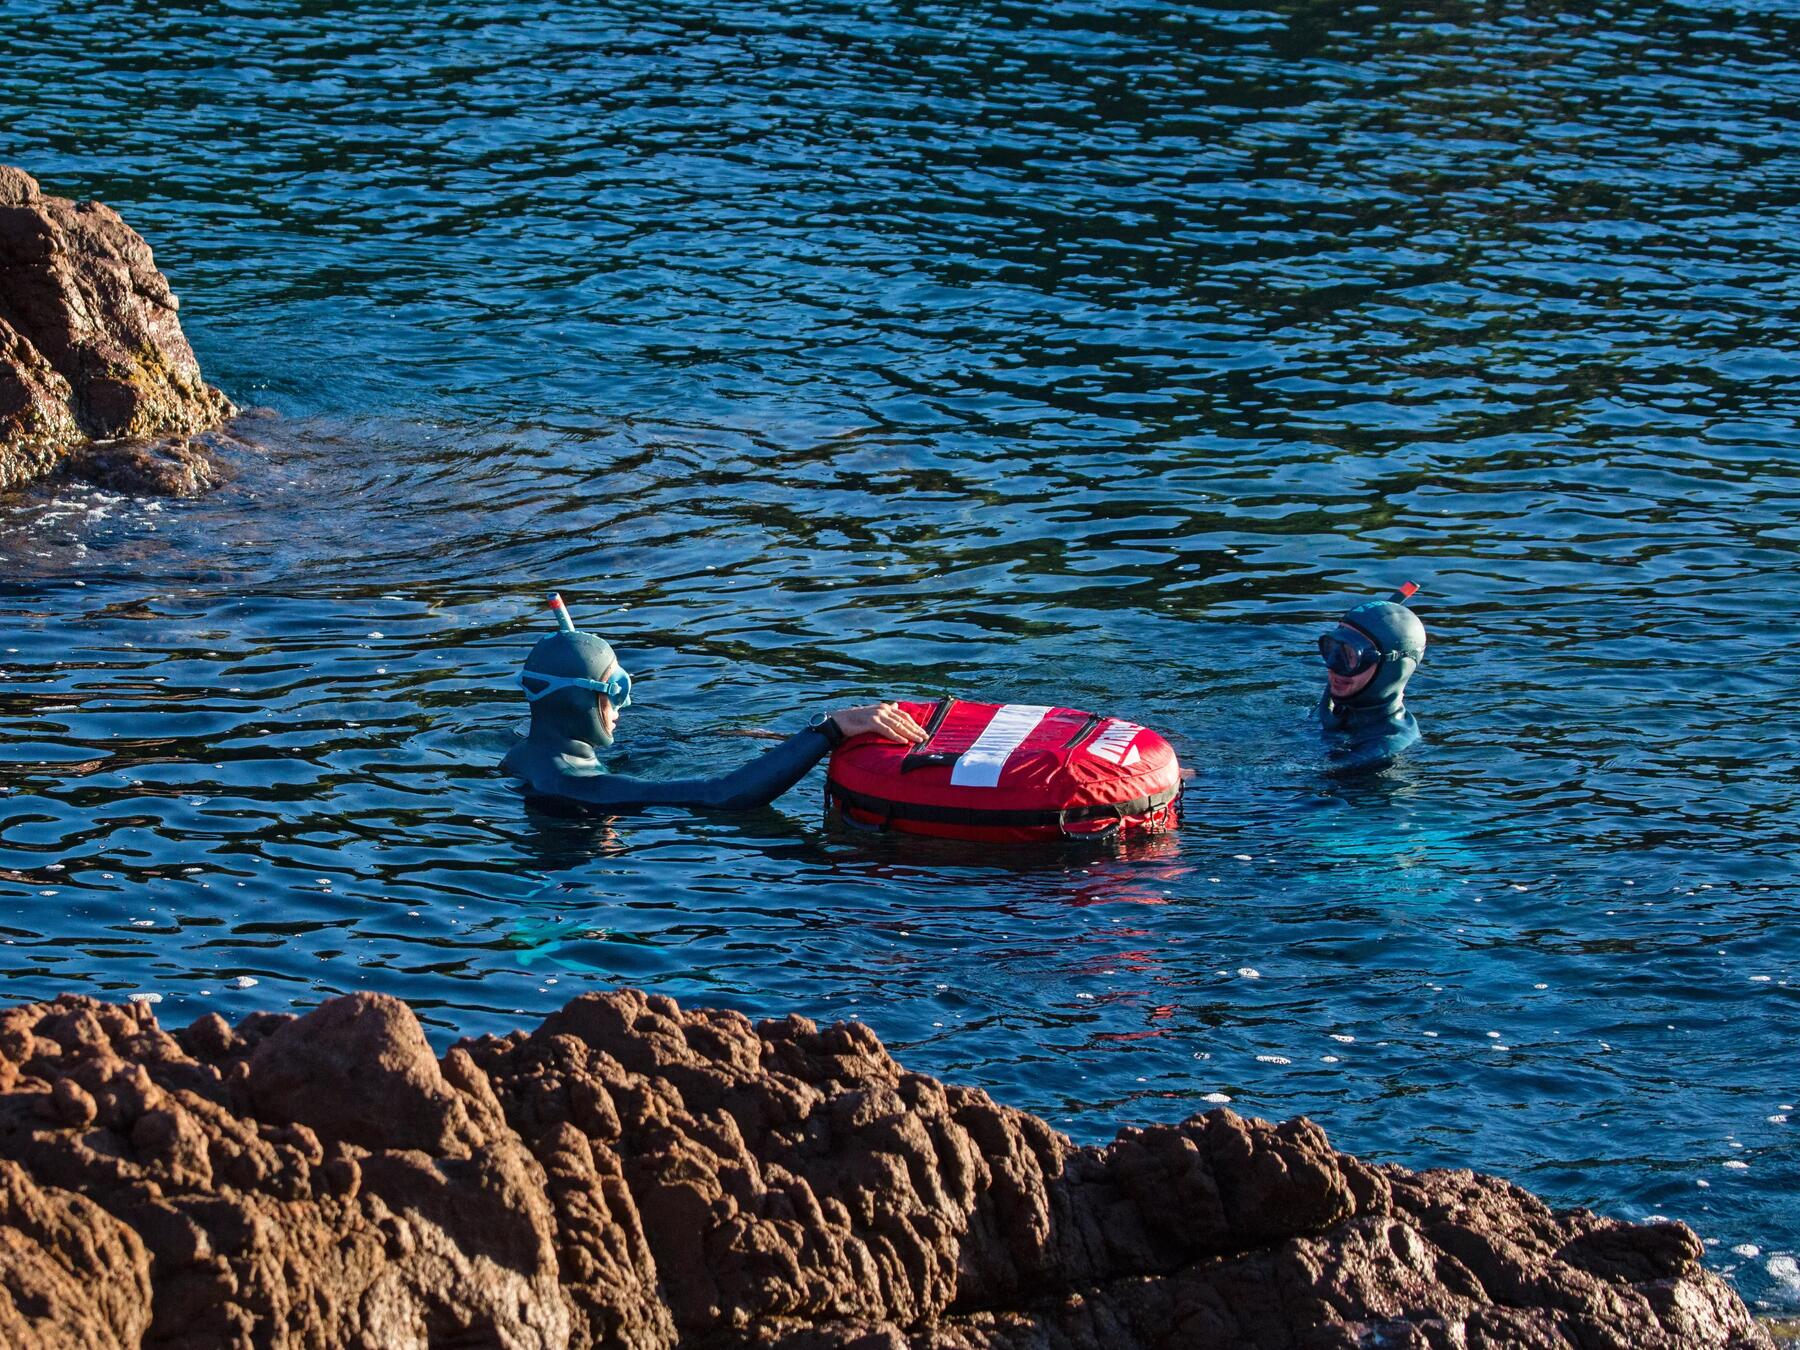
x: 576, y: 688
x: 1369, y: 657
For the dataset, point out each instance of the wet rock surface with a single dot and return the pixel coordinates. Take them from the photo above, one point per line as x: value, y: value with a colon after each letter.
x: 637, y: 1175
x: 90, y: 347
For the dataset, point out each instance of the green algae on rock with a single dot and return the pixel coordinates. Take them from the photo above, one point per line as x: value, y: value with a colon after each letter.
x: 91, y: 351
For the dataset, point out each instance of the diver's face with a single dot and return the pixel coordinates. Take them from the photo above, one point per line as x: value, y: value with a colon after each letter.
x: 609, y: 715
x: 1346, y: 686
x: 1350, y: 658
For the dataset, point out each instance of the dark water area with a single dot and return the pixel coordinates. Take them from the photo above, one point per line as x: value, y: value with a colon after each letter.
x: 1088, y: 353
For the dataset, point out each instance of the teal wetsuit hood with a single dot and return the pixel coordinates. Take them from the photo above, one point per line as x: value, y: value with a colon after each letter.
x: 1372, y: 725
x: 561, y: 713
x: 1396, y: 633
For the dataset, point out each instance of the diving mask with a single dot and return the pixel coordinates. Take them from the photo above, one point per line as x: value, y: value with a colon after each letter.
x: 616, y: 687
x: 1347, y: 652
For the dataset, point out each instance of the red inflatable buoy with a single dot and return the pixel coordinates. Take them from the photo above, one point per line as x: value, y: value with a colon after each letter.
x: 1009, y: 773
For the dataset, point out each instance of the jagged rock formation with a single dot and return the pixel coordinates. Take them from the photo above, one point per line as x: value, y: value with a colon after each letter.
x: 633, y: 1175
x: 91, y: 350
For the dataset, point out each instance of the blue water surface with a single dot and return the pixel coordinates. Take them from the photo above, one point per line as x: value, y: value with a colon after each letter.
x: 1093, y: 353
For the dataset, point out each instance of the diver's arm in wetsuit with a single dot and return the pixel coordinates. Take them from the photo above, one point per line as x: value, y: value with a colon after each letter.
x: 755, y: 784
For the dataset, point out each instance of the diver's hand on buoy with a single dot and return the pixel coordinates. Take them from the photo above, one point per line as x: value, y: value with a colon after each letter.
x: 887, y: 720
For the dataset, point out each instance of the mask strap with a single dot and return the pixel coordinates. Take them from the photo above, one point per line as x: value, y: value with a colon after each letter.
x: 551, y: 684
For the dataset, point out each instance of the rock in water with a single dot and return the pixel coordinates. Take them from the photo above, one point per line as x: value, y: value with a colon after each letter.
x: 91, y: 350
x: 630, y: 1174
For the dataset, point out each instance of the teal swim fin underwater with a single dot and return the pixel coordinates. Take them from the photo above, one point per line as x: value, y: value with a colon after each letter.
x: 576, y: 689
x: 1369, y: 657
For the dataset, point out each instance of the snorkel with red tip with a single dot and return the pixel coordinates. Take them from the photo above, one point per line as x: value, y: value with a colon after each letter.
x: 561, y: 611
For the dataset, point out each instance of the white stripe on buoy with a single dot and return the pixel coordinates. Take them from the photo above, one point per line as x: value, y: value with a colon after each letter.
x: 983, y: 762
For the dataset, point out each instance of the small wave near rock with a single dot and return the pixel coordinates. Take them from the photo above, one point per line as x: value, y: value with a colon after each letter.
x: 96, y: 377
x: 633, y: 1174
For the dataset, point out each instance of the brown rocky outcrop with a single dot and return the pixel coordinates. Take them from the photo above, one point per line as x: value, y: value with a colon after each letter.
x: 91, y: 351
x: 635, y: 1175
